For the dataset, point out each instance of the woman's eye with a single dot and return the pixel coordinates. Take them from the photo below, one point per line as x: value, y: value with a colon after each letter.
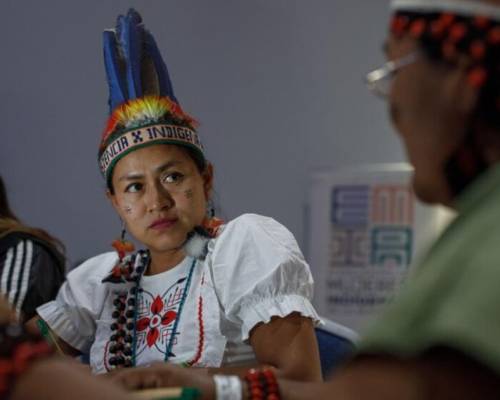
x: 174, y: 177
x: 133, y: 188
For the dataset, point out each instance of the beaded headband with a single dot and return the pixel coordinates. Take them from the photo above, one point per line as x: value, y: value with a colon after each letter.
x: 449, y: 35
x: 143, y: 107
x: 143, y: 122
x: 461, y: 7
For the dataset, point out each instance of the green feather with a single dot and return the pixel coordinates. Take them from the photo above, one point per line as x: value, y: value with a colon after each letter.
x: 43, y: 328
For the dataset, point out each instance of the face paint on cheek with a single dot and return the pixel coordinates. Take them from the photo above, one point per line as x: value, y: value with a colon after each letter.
x: 189, y: 194
x: 127, y: 209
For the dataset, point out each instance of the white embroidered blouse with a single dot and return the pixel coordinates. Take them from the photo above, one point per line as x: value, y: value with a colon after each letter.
x: 254, y: 270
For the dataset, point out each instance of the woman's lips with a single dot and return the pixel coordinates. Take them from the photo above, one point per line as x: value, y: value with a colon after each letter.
x: 163, y: 223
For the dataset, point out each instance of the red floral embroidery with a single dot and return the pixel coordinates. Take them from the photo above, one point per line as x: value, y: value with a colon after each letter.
x: 155, y: 320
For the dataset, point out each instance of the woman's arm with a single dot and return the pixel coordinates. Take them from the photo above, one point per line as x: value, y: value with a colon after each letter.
x: 63, y: 347
x: 62, y: 379
x: 288, y: 344
x: 440, y: 374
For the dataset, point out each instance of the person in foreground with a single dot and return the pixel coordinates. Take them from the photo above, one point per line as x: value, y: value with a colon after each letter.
x: 29, y: 369
x: 31, y: 262
x: 440, y: 338
x: 205, y: 294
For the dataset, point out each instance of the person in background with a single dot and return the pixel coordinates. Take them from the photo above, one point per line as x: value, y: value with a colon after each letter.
x: 32, y: 264
x: 440, y: 338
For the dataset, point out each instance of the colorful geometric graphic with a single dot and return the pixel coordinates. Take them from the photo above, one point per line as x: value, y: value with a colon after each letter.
x: 391, y: 204
x: 349, y: 248
x: 371, y: 245
x: 391, y: 245
x: 350, y: 206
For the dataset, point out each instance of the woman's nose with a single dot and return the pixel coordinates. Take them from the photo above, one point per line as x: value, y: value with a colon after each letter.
x: 158, y: 198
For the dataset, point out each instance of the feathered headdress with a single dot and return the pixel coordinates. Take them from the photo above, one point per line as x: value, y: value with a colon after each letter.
x: 143, y: 107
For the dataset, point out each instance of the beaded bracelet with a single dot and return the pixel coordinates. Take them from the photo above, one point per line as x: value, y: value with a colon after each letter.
x: 18, y: 351
x: 262, y: 384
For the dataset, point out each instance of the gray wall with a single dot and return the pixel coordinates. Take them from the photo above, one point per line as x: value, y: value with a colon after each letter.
x: 276, y: 85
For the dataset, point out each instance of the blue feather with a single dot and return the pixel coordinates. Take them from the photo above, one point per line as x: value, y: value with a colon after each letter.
x: 165, y: 84
x: 117, y: 86
x: 130, y: 36
x: 131, y: 55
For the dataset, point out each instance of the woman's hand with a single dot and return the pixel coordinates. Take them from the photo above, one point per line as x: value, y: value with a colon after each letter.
x: 61, y: 379
x: 163, y: 375
x: 7, y: 314
x: 62, y: 347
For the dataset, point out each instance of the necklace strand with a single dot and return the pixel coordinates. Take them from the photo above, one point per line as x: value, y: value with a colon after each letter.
x: 181, y: 306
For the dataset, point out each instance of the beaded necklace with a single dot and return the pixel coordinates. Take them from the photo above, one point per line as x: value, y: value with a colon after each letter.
x: 123, y: 342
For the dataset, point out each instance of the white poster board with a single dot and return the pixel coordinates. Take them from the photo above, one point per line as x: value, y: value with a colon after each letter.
x: 366, y: 229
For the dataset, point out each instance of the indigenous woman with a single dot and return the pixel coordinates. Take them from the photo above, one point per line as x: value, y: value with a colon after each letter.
x: 31, y: 262
x: 202, y: 293
x: 440, y: 338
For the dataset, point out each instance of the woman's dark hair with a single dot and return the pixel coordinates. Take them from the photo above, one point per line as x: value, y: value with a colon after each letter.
x: 5, y: 211
x: 10, y: 223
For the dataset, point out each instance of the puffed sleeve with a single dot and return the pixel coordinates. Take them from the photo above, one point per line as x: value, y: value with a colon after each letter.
x: 259, y: 272
x: 79, y: 303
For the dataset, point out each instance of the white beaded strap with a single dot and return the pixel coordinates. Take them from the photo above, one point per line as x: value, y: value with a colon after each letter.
x: 228, y: 387
x: 466, y: 8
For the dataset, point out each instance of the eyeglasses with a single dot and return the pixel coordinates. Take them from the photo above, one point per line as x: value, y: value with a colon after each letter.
x: 379, y: 81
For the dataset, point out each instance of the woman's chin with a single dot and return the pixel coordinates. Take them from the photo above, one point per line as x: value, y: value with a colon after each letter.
x: 166, y: 243
x: 428, y: 192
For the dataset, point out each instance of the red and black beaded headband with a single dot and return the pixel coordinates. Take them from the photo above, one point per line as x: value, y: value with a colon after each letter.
x: 448, y: 34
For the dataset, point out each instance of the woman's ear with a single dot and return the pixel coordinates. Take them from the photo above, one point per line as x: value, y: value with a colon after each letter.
x: 208, y: 180
x: 459, y: 89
